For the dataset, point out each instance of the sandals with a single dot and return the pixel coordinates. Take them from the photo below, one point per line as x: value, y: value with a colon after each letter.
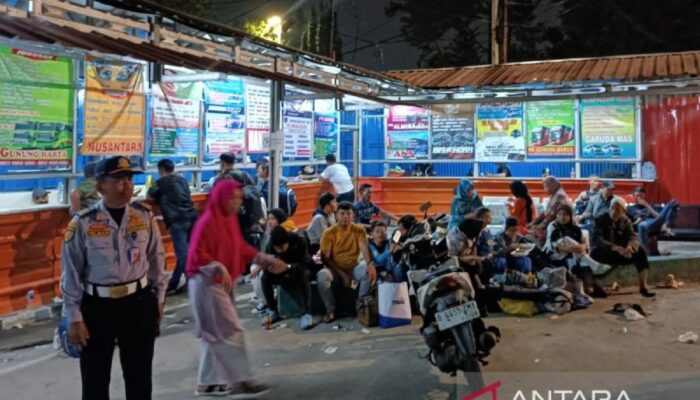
x: 212, y: 390
x: 330, y: 317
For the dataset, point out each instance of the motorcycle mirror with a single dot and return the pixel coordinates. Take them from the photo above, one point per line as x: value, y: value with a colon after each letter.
x: 425, y: 206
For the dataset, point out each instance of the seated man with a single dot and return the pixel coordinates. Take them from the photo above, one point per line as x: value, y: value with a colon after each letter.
x: 597, y: 205
x: 341, y: 246
x: 289, y: 248
x: 615, y: 243
x: 581, y: 202
x: 323, y: 219
x: 365, y: 209
x: 381, y: 253
x: 507, y: 242
x: 461, y: 243
x: 650, y: 223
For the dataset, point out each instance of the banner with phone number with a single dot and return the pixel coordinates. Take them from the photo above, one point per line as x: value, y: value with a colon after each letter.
x: 407, y: 133
x: 224, y: 118
x: 175, y: 119
x: 114, y: 107
x: 36, y: 108
x: 608, y: 128
x: 499, y: 130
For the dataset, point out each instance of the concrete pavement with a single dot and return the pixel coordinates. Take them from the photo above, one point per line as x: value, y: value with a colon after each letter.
x: 585, y: 350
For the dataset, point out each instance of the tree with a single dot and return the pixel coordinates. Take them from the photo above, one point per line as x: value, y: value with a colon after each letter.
x: 594, y: 28
x: 261, y: 29
x: 312, y: 33
x: 451, y: 33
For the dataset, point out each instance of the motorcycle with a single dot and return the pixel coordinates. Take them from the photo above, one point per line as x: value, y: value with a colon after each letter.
x: 457, y: 337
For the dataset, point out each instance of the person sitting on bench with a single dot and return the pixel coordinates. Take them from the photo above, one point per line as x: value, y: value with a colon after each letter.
x: 615, y: 243
x: 648, y: 222
x: 291, y: 249
x: 341, y: 246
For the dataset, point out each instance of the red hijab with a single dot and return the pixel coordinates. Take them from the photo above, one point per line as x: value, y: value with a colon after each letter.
x: 217, y: 237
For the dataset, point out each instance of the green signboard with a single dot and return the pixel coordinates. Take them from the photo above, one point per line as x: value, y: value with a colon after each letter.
x: 608, y: 128
x: 550, y: 128
x: 36, y: 108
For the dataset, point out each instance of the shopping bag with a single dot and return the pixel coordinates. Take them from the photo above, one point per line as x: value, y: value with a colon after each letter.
x: 394, y: 305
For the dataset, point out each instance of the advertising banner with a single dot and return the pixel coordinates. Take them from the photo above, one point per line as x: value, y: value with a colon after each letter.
x: 298, y: 131
x: 257, y: 100
x: 224, y: 118
x: 453, y: 131
x: 407, y: 133
x: 407, y: 118
x: 36, y: 108
x: 407, y: 145
x: 608, y: 128
x: 550, y: 127
x: 325, y: 134
x: 175, y: 119
x: 499, y: 131
x: 114, y: 107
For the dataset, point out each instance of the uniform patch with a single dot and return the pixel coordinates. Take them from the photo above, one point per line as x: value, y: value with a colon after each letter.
x: 136, y: 224
x: 99, y: 230
x: 70, y: 230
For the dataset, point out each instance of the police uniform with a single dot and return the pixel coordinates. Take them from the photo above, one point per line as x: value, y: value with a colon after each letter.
x: 113, y: 279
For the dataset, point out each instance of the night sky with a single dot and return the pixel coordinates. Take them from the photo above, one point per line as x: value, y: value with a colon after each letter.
x: 373, y: 26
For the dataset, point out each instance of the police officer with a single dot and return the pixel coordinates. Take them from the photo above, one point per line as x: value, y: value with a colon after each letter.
x: 113, y: 282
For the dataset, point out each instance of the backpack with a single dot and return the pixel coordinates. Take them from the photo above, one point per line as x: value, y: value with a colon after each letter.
x: 288, y: 199
x: 558, y: 301
x: 251, y: 209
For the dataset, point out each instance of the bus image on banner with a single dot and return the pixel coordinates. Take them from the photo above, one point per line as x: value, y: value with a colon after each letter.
x: 36, y: 99
x: 550, y: 126
x: 407, y: 145
x: 608, y: 128
x: 453, y: 131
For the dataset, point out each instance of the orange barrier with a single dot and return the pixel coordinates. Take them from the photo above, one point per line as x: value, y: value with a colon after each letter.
x: 30, y: 242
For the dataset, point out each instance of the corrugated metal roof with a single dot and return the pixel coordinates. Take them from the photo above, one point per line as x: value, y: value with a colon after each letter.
x: 623, y: 69
x: 56, y: 25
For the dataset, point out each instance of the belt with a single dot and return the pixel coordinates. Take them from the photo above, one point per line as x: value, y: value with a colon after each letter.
x: 116, y: 291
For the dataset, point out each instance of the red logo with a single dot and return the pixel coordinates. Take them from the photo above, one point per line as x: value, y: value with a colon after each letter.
x: 492, y: 388
x: 32, y: 55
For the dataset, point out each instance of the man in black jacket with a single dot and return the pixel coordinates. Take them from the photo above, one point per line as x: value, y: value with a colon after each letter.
x: 290, y: 248
x: 172, y: 193
x: 615, y: 243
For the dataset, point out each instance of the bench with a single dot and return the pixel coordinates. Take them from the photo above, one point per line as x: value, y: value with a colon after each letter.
x: 686, y: 225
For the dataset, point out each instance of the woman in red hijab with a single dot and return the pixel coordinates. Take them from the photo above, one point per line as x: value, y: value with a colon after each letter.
x: 217, y: 255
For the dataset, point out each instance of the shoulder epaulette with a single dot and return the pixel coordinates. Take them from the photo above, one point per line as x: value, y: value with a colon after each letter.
x: 145, y: 206
x: 84, y: 212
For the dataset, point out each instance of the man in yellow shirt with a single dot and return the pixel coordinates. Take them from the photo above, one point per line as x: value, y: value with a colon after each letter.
x: 341, y: 246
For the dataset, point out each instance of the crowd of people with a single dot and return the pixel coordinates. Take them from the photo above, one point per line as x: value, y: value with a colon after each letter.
x: 343, y: 252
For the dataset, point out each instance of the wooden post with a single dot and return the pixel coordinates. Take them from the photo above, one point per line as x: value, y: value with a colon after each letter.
x: 503, y: 25
x: 495, y: 51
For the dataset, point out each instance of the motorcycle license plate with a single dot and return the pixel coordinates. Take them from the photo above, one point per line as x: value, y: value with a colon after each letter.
x: 457, y: 315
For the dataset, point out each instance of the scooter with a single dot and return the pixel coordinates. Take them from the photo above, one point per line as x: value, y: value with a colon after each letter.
x: 452, y: 326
